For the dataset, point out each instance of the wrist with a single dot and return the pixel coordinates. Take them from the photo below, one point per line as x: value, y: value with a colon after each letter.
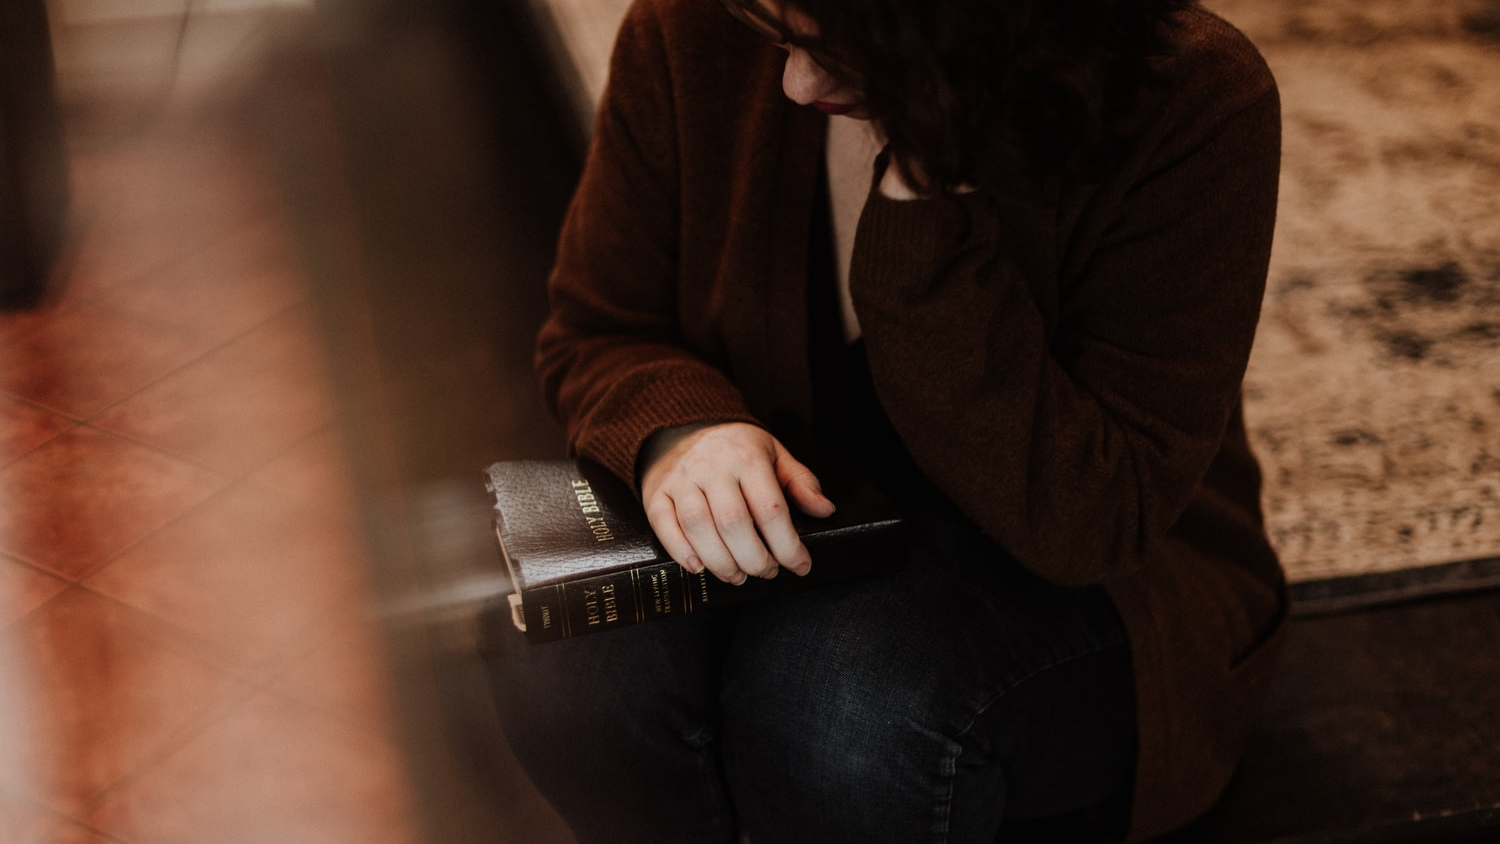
x: 661, y: 441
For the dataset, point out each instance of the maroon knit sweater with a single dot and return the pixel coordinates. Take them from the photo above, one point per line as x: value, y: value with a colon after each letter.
x: 1065, y: 368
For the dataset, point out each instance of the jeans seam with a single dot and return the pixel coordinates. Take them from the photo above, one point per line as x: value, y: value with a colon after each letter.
x: 944, y: 820
x: 716, y: 791
x: 1099, y: 648
x: 950, y: 759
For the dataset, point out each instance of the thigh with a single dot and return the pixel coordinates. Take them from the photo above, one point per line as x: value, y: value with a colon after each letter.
x: 619, y: 731
x: 914, y: 707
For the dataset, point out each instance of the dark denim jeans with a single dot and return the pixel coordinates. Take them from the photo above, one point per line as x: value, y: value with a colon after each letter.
x: 921, y: 706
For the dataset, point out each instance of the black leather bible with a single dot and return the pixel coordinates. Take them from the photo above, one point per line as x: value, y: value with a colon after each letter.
x: 583, y: 558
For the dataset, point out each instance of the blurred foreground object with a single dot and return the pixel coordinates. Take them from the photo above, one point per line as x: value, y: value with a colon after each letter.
x: 427, y: 165
x: 33, y: 169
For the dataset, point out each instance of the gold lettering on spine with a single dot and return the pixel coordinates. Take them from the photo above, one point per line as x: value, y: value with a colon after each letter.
x: 611, y: 604
x: 600, y: 529
x: 701, y: 581
x: 591, y: 615
x: 585, y: 495
x: 661, y: 596
x: 588, y: 504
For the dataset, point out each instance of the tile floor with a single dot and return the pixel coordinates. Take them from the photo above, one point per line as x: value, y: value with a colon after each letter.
x: 186, y: 651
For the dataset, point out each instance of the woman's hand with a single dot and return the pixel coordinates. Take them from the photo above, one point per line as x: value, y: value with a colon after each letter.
x: 717, y: 494
x: 894, y: 186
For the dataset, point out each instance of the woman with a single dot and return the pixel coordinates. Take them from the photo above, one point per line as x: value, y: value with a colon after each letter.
x: 1006, y: 258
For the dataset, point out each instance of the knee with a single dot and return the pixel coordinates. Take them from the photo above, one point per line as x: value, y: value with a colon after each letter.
x: 837, y: 743
x: 618, y: 731
x: 846, y: 728
x: 603, y: 695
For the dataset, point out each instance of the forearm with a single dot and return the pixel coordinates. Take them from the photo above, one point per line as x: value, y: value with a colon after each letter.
x: 1073, y: 438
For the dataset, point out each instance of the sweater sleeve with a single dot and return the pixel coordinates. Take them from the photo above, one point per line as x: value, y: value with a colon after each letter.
x: 612, y: 362
x: 1075, y: 440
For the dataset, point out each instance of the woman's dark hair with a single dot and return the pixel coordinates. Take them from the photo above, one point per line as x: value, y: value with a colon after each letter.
x: 997, y: 92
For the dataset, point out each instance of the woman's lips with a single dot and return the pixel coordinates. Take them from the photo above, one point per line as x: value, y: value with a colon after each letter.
x: 832, y: 108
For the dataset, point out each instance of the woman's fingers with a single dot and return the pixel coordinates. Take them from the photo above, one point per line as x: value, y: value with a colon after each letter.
x: 685, y: 524
x: 772, y: 517
x: 661, y: 512
x: 801, y: 484
x: 739, y: 531
x: 715, y: 524
x: 714, y: 496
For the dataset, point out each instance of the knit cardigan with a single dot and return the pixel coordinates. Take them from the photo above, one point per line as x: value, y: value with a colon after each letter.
x: 1065, y: 365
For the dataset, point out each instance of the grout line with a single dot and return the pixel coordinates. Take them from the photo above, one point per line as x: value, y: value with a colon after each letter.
x: 197, y: 648
x: 51, y: 817
x: 52, y: 411
x: 71, y: 425
x: 18, y: 621
x: 89, y: 828
x: 173, y: 743
x: 210, y: 351
x: 41, y: 567
x: 198, y: 247
x: 229, y: 476
x: 188, y: 460
x: 226, y: 484
x: 232, y: 486
x: 224, y: 490
x: 181, y: 740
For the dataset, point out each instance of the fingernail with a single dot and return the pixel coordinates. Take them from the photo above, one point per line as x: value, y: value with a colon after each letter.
x: 693, y: 564
x: 741, y: 581
x: 774, y: 572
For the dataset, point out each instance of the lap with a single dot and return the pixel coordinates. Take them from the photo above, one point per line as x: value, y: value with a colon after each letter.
x: 961, y: 620
x: 938, y: 686
x: 940, y: 697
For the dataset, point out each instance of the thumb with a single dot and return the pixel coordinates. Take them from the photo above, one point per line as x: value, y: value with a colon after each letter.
x: 801, y: 484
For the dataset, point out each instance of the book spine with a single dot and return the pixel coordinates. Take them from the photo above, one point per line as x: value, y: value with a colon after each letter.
x: 613, y: 599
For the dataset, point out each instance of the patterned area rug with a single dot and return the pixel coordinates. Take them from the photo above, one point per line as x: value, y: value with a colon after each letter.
x: 1374, y: 387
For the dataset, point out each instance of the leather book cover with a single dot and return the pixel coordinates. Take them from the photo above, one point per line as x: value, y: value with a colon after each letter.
x: 583, y: 558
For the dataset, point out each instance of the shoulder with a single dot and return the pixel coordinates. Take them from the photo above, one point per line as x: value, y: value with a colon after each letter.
x: 692, y: 48
x: 661, y: 16
x: 1213, y: 65
x: 1211, y: 89
x: 687, y: 74
x: 682, y: 30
